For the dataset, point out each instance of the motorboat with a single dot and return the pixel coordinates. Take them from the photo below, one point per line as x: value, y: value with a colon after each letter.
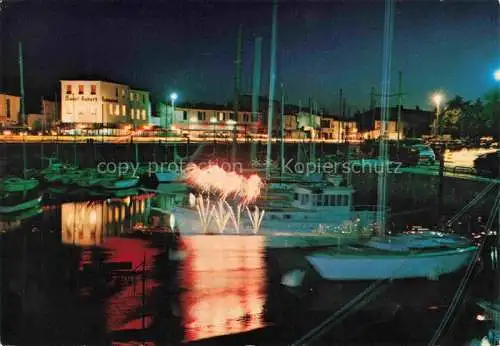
x: 16, y: 184
x: 112, y: 182
x: 405, y: 256
x: 17, y: 202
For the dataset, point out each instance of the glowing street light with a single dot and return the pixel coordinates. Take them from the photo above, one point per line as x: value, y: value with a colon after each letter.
x: 173, y: 97
x: 438, y: 99
x: 496, y: 75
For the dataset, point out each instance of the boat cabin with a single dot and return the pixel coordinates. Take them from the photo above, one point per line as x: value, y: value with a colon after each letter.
x: 323, y: 197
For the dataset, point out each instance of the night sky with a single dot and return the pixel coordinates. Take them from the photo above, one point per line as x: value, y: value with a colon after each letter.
x: 190, y: 47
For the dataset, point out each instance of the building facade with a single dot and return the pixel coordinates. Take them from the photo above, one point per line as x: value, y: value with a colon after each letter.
x: 10, y: 109
x: 99, y: 102
x: 205, y: 120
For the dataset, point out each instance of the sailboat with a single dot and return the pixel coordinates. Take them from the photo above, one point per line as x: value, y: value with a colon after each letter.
x: 18, y: 193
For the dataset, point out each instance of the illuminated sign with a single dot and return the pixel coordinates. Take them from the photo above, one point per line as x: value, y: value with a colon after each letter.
x: 80, y: 98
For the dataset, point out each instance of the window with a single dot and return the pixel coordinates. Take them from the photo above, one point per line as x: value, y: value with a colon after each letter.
x: 124, y: 110
x: 93, y: 89
x: 221, y: 116
x: 344, y: 200
x: 184, y: 115
x: 143, y: 114
x: 110, y: 108
x: 116, y: 92
x: 123, y: 92
x: 136, y: 97
x: 320, y: 200
x: 131, y: 97
x: 143, y: 98
x: 306, y: 199
x: 117, y: 109
x: 232, y: 116
x: 68, y: 89
x: 201, y: 116
x: 7, y: 105
x: 295, y: 196
x: 81, y: 89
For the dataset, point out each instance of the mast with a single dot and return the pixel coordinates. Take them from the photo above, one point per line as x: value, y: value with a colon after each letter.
x: 22, y: 121
x: 340, y: 120
x: 282, y: 134
x: 312, y: 124
x: 400, y: 96
x: 385, y: 84
x: 22, y: 112
x: 257, y: 59
x: 272, y: 82
x: 237, y: 82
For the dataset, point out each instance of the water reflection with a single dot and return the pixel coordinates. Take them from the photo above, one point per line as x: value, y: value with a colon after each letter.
x: 225, y: 282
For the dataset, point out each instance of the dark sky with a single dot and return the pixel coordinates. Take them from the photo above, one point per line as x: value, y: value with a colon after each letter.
x: 190, y: 47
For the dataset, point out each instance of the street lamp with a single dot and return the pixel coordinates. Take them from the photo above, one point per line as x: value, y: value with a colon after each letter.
x: 173, y: 97
x: 438, y: 99
x: 496, y: 75
x: 213, y: 121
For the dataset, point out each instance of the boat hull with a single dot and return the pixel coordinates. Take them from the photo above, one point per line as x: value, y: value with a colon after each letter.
x: 340, y: 267
x: 120, y: 184
x: 166, y: 177
x: 20, y: 185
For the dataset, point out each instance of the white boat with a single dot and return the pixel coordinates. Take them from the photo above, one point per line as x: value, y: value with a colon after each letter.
x: 115, y: 183
x: 14, y: 204
x: 324, y: 207
x: 16, y: 184
x: 167, y: 176
x: 425, y: 255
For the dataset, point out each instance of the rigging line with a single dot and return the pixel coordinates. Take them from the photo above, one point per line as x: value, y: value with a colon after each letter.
x: 465, y: 279
x: 471, y: 203
x: 349, y: 308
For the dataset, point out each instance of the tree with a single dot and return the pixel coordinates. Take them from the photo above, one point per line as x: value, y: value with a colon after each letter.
x: 455, y: 116
x: 492, y: 112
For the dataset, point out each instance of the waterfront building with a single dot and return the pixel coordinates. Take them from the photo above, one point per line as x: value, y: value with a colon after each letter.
x: 413, y: 123
x: 10, y: 108
x: 87, y: 102
x: 210, y: 119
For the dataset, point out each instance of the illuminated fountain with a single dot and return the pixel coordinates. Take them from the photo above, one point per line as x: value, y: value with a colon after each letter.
x: 215, y: 180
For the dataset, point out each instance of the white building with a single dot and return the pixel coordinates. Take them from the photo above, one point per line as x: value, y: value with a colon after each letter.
x: 99, y: 102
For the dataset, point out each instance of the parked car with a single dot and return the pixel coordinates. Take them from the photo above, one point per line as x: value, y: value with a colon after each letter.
x: 425, y: 153
x: 487, y: 164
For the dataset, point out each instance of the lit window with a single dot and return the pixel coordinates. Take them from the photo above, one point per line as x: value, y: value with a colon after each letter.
x: 131, y: 113
x: 110, y: 108
x: 80, y: 89
x: 68, y: 89
x: 131, y: 97
x: 143, y: 114
x: 124, y: 110
x: 117, y: 109
x: 221, y: 116
x: 123, y: 92
x: 93, y: 89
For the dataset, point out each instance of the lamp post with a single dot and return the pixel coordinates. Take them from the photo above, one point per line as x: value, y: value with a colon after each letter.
x: 173, y: 97
x: 438, y: 98
x: 213, y: 121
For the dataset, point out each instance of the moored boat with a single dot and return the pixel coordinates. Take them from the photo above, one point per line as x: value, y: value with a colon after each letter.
x: 427, y: 255
x: 12, y: 203
x: 115, y: 183
x: 16, y: 184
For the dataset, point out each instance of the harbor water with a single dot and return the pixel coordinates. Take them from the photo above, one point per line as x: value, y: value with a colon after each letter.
x: 83, y: 271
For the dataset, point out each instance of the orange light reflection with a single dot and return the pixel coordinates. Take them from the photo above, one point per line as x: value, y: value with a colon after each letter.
x: 225, y: 282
